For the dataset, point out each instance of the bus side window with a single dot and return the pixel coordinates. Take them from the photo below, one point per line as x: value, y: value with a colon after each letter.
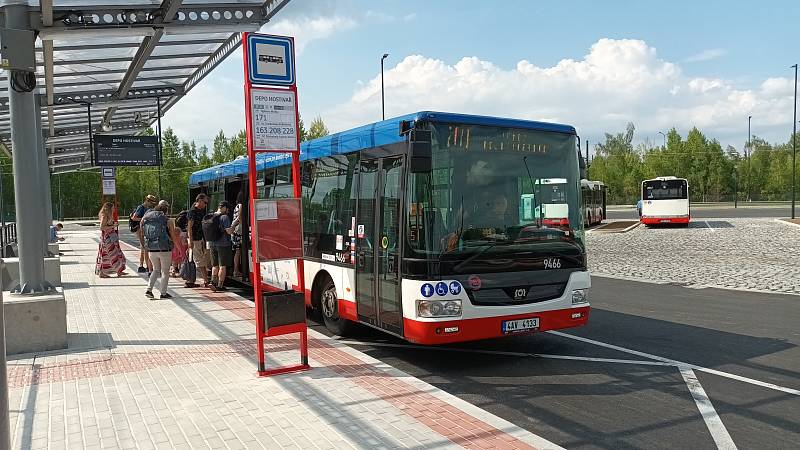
x: 328, y: 205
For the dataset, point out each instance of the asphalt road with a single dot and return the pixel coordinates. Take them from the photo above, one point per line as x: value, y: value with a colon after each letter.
x: 580, y: 403
x: 715, y: 212
x: 578, y: 392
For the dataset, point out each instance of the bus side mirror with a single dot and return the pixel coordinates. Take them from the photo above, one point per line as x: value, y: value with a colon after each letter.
x: 419, y: 154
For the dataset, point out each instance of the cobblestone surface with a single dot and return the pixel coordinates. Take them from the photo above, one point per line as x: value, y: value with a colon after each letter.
x: 751, y: 254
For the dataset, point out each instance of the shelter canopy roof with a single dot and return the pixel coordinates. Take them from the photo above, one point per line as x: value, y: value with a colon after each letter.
x: 119, y: 58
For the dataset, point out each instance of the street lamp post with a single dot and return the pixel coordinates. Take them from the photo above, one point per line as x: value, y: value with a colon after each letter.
x: 749, y: 144
x: 794, y: 133
x: 665, y: 138
x: 383, y: 105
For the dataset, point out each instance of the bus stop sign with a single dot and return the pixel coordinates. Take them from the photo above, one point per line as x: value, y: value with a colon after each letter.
x: 271, y: 60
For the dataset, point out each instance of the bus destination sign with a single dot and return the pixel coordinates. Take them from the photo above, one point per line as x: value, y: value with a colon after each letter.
x: 274, y: 120
x: 113, y: 150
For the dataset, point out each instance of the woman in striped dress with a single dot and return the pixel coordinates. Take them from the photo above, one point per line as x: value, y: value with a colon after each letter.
x: 110, y: 259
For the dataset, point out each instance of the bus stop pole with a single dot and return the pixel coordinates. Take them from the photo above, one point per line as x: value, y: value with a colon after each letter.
x: 26, y: 162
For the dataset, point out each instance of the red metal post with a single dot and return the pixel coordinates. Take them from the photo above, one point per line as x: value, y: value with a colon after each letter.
x: 298, y: 189
x: 253, y: 188
x: 298, y: 192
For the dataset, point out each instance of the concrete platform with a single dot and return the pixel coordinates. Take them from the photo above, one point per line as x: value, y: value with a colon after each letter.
x: 35, y: 323
x: 53, y: 248
x: 181, y: 374
x: 9, y: 273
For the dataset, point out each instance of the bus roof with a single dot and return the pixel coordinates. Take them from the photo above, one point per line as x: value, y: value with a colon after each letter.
x: 668, y: 178
x: 592, y: 184
x: 367, y: 136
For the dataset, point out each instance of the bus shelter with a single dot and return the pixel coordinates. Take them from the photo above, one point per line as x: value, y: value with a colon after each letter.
x: 74, y: 70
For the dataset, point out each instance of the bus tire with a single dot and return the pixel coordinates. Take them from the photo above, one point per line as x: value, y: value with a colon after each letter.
x: 329, y: 307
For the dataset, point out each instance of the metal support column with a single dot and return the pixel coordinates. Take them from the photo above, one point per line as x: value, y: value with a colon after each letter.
x: 44, y: 174
x: 160, y: 148
x: 27, y: 184
x: 31, y: 268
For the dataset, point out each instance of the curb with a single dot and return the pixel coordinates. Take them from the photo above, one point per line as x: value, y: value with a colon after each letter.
x: 625, y: 230
x: 691, y: 286
x: 786, y: 222
x: 465, y: 407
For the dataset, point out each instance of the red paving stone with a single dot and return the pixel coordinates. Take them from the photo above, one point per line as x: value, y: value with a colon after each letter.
x: 441, y: 417
x: 436, y: 414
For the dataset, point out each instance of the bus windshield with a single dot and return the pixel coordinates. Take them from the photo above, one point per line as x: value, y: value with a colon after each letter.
x: 664, y: 190
x: 486, y: 191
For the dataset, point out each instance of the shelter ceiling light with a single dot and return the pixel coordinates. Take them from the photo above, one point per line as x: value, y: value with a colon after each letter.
x: 176, y: 30
x: 49, y: 34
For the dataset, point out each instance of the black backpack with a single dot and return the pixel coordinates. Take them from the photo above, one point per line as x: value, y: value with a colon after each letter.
x: 182, y: 221
x: 212, y: 230
x: 132, y: 224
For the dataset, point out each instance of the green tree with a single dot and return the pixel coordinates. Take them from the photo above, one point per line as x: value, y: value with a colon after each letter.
x: 317, y: 130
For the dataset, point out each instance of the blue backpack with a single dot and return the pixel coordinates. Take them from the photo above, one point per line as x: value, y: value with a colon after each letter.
x: 156, y: 232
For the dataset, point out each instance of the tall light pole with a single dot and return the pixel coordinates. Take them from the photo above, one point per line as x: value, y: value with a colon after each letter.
x: 665, y: 138
x: 750, y: 148
x: 794, y: 133
x: 383, y: 104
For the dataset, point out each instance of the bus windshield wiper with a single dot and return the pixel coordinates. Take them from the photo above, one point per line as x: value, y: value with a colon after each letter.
x: 481, y: 252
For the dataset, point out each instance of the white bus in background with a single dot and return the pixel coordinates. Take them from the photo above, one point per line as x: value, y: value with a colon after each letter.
x: 665, y: 200
x: 594, y: 201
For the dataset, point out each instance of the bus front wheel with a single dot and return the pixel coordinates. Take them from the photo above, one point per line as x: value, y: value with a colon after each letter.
x: 329, y: 306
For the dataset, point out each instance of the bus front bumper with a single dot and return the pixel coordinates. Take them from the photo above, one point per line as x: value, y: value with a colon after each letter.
x: 434, y: 333
x: 664, y: 220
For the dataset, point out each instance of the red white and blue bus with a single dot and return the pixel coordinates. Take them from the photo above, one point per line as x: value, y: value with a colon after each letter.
x: 665, y: 200
x: 429, y: 226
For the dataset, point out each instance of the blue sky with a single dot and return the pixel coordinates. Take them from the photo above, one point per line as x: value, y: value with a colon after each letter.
x: 593, y: 64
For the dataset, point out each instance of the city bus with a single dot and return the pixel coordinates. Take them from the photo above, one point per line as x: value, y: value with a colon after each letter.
x: 665, y: 200
x: 428, y: 226
x: 594, y: 201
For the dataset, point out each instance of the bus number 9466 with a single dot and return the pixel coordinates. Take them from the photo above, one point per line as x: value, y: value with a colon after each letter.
x: 552, y: 263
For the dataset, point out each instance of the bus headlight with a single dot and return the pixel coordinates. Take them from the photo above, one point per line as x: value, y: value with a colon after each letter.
x: 580, y: 296
x: 438, y: 308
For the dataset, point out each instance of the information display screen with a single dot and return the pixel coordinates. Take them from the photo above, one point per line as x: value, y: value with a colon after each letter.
x: 111, y: 150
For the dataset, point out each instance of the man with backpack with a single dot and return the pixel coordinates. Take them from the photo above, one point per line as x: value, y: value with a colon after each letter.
x: 217, y: 229
x: 197, y: 246
x: 158, y: 230
x: 135, y: 227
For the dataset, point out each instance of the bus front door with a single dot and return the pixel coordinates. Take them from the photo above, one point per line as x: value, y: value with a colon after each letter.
x: 378, y: 243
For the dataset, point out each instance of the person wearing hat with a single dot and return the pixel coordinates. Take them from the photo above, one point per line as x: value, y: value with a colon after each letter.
x: 144, y: 259
x: 196, y: 241
x: 221, y: 249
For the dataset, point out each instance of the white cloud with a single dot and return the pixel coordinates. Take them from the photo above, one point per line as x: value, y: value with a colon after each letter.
x: 707, y: 55
x: 217, y: 103
x: 616, y: 82
x: 307, y: 29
